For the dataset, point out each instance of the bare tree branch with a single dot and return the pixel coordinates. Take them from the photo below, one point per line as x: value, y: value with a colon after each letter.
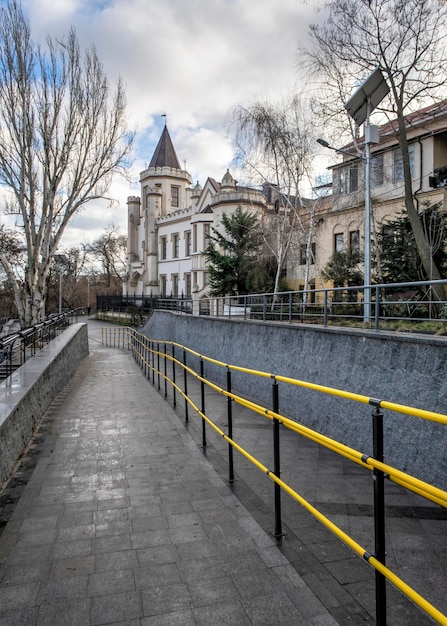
x: 62, y: 139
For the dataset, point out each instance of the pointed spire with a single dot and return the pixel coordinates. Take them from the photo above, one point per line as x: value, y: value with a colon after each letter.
x: 164, y: 155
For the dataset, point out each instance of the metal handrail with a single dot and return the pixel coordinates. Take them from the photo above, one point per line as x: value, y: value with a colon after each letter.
x: 18, y: 347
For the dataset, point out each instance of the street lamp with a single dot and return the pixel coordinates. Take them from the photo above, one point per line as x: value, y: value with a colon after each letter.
x: 359, y: 106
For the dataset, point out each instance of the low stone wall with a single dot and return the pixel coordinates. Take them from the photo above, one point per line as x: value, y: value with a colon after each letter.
x: 27, y: 394
x: 402, y: 368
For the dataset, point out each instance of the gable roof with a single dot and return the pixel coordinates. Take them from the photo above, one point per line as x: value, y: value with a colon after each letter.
x: 164, y: 155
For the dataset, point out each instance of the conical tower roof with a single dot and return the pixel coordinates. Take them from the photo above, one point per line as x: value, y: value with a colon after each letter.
x: 164, y: 155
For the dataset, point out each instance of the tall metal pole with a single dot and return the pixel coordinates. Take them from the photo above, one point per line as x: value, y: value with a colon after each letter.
x: 367, y: 260
x: 60, y: 289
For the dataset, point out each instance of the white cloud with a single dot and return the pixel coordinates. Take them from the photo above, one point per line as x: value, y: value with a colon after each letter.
x: 191, y: 59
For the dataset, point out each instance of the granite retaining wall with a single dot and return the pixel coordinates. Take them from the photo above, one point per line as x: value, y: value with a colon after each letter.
x: 402, y: 368
x: 27, y: 394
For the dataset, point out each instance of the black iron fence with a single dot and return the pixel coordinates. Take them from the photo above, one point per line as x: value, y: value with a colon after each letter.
x: 17, y: 347
x: 375, y: 306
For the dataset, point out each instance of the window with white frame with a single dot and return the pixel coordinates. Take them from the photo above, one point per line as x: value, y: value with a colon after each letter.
x: 194, y: 237
x: 188, y: 243
x: 349, y: 179
x: 206, y: 235
x: 174, y: 280
x: 163, y: 248
x: 398, y: 163
x: 175, y: 196
x: 163, y: 284
x: 377, y: 170
x: 175, y: 246
x: 188, y: 284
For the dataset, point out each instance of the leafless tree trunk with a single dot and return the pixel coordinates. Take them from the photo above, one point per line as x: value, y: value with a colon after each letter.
x: 275, y: 147
x: 62, y: 138
x: 110, y: 250
x: 406, y: 39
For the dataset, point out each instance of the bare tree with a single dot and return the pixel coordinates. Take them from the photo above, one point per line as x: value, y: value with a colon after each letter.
x: 406, y: 39
x: 110, y: 250
x: 62, y: 138
x: 275, y: 148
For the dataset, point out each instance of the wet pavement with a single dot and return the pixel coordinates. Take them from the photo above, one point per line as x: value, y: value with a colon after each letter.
x: 117, y: 515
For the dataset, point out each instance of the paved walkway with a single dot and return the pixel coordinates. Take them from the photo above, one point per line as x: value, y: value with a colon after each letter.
x: 123, y: 521
x: 116, y: 516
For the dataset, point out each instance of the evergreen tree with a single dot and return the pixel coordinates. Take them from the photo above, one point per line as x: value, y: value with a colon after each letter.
x: 342, y: 269
x: 231, y: 254
x: 399, y: 257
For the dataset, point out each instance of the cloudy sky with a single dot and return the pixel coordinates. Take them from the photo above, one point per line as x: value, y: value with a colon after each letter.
x: 191, y: 59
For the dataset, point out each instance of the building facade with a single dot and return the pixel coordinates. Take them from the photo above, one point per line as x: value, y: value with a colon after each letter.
x: 339, y: 225
x: 169, y: 225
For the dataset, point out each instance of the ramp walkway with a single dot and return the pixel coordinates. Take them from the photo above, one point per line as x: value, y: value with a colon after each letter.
x: 117, y: 516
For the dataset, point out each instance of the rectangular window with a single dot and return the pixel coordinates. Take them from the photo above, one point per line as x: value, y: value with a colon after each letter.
x: 174, y: 279
x: 188, y: 243
x: 194, y: 237
x: 194, y: 278
x: 349, y: 179
x: 354, y: 241
x: 175, y: 196
x: 339, y: 242
x: 163, y: 283
x: 377, y: 170
x: 188, y: 284
x: 175, y: 246
x: 398, y: 164
x: 206, y: 278
x: 163, y: 248
x: 206, y: 235
x: 303, y: 254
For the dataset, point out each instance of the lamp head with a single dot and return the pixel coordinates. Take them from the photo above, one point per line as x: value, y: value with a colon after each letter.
x: 323, y: 142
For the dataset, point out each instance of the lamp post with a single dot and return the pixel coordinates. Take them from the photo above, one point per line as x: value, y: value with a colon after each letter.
x: 359, y: 106
x: 367, y: 247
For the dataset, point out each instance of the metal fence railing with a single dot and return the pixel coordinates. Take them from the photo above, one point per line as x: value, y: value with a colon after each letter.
x: 19, y: 346
x: 390, y: 304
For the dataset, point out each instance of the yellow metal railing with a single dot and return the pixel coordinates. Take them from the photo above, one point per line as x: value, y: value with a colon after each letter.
x: 148, y: 354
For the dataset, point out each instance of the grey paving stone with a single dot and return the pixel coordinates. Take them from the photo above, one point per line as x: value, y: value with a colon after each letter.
x: 210, y: 591
x: 113, y: 581
x: 17, y: 596
x: 161, y: 600
x: 224, y: 614
x: 176, y: 618
x: 124, y: 559
x: 114, y: 608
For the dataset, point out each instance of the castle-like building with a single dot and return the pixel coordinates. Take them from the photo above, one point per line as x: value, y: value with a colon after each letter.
x: 170, y: 225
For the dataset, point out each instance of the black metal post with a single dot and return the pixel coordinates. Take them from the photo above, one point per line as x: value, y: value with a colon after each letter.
x: 276, y: 460
x: 202, y: 394
x: 174, y: 390
x: 230, y: 429
x: 185, y: 383
x: 153, y: 362
x: 166, y: 371
x: 379, y: 516
x: 158, y: 364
